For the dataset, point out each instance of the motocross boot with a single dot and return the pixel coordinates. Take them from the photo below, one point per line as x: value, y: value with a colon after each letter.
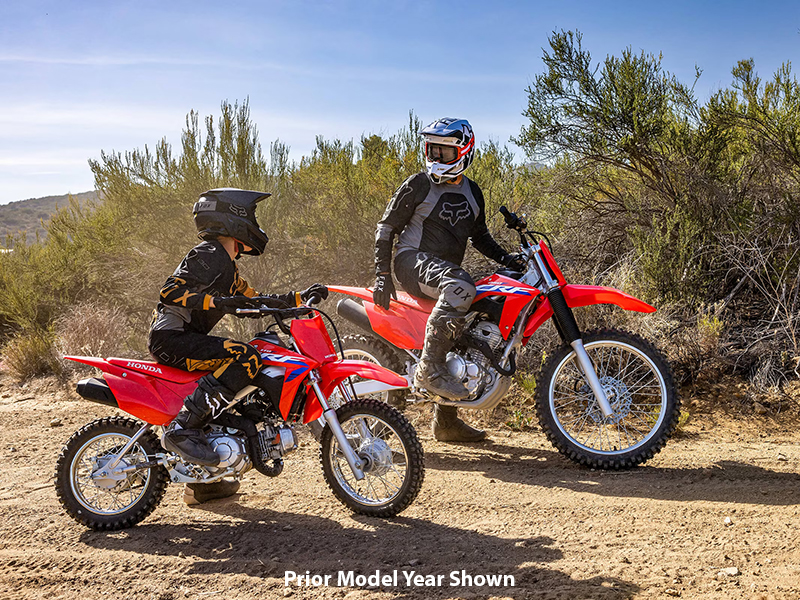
x: 198, y: 493
x: 184, y: 435
x: 447, y: 427
x: 443, y: 329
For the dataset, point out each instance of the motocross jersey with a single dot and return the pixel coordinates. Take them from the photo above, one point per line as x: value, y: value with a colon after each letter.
x: 206, y: 271
x: 435, y: 218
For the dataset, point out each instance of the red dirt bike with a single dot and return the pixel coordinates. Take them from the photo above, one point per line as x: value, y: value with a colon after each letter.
x: 606, y: 398
x: 113, y: 472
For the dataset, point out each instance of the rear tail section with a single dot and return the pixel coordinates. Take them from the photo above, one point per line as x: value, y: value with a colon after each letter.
x: 402, y: 326
x: 147, y: 390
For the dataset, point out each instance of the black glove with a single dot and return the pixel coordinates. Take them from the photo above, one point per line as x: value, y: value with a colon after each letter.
x: 316, y: 289
x: 229, y: 304
x: 384, y: 290
x: 515, y: 262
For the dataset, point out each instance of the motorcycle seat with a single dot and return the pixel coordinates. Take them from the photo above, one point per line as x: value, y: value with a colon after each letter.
x: 156, y: 369
x: 415, y: 302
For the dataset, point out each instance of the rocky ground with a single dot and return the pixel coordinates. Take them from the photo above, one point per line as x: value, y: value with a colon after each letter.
x: 714, y: 515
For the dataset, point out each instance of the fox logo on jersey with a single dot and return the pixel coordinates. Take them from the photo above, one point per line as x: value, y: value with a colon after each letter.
x: 453, y: 213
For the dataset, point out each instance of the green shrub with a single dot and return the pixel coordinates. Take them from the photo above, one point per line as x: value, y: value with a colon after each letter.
x: 31, y: 354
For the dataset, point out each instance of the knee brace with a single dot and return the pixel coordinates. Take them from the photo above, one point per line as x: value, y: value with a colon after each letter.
x: 456, y: 295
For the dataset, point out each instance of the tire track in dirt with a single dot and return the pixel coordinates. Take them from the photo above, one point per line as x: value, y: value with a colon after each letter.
x: 513, y: 506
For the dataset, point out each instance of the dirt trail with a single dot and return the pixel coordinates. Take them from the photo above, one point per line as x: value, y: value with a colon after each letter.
x: 512, y: 507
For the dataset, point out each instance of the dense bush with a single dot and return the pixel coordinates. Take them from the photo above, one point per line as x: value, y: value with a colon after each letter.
x: 693, y: 207
x: 703, y: 201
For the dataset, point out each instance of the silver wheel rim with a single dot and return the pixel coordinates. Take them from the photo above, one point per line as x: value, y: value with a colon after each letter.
x: 637, y: 392
x: 107, y: 496
x: 385, y: 460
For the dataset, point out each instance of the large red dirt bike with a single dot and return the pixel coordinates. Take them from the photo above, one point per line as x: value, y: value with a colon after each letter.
x: 113, y: 472
x: 606, y: 398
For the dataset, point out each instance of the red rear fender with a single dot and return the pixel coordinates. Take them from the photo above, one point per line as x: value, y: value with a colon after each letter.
x: 92, y: 361
x: 147, y: 390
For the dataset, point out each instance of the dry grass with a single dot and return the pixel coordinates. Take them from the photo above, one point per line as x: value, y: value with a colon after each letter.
x: 29, y: 355
x: 90, y: 329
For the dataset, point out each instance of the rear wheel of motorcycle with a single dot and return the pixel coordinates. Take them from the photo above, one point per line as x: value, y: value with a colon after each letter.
x: 641, y: 389
x: 116, y: 502
x: 388, y: 446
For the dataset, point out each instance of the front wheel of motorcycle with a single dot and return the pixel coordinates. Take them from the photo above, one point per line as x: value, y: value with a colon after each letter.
x: 391, y: 453
x: 640, y: 387
x: 103, y: 499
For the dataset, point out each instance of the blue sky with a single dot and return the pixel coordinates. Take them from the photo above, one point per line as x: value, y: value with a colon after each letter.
x: 81, y: 77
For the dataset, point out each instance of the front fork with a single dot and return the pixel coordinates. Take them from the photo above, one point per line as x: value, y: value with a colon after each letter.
x: 570, y: 333
x: 336, y: 428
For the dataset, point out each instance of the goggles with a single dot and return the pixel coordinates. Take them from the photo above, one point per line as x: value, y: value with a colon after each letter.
x: 441, y: 153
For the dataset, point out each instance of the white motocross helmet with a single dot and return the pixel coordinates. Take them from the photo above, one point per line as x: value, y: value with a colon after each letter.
x: 449, y: 148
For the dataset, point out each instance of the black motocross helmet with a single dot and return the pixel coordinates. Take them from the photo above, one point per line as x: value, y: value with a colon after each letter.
x: 231, y: 212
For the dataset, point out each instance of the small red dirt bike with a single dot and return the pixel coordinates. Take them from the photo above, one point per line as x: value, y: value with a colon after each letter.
x: 606, y: 398
x: 113, y: 472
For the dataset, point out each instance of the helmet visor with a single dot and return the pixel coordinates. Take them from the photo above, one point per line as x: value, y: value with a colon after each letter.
x: 441, y: 153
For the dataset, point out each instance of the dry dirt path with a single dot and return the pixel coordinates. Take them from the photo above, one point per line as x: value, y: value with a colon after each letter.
x: 512, y: 507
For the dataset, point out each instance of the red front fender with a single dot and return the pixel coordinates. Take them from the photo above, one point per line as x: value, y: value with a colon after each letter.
x: 333, y: 373
x: 586, y: 295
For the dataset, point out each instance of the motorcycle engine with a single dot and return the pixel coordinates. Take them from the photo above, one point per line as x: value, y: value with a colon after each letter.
x: 231, y: 449
x: 276, y: 440
x: 490, y: 333
x: 473, y: 368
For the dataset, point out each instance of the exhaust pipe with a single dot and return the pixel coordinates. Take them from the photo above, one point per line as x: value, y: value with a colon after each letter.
x: 97, y: 390
x: 355, y: 313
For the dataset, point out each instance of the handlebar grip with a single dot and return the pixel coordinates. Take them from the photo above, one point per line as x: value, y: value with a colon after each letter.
x: 512, y: 220
x: 314, y: 299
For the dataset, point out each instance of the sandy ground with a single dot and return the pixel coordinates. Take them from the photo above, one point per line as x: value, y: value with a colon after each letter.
x: 714, y: 515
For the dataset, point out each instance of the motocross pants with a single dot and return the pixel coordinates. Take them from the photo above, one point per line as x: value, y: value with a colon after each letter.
x: 425, y: 275
x: 234, y: 364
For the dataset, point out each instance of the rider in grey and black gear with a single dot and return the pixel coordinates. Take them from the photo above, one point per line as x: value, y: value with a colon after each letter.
x: 435, y: 213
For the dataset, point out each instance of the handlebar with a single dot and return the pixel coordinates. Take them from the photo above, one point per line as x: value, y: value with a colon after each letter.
x: 520, y: 225
x: 314, y: 299
x: 513, y: 221
x: 280, y: 311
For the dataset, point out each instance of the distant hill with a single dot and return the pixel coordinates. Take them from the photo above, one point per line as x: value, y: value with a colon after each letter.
x: 27, y: 215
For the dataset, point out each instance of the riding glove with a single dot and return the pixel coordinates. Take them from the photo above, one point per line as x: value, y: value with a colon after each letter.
x: 384, y: 290
x: 316, y: 289
x: 515, y: 262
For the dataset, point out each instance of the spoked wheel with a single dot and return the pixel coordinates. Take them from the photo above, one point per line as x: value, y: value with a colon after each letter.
x: 103, y: 498
x: 640, y: 386
x: 392, y: 457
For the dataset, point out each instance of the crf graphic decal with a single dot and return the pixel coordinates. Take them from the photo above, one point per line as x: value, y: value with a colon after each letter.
x: 453, y: 213
x: 286, y: 360
x: 503, y: 289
